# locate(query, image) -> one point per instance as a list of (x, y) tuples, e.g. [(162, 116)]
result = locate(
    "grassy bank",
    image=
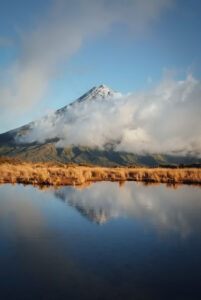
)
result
[(61, 174)]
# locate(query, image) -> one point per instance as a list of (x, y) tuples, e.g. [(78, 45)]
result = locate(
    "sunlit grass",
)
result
[(64, 174)]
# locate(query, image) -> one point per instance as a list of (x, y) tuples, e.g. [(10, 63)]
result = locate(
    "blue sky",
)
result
[(51, 52)]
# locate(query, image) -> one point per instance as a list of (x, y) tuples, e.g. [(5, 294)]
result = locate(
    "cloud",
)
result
[(56, 37), (163, 120)]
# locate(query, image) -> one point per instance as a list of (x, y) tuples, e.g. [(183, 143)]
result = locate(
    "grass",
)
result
[(70, 174)]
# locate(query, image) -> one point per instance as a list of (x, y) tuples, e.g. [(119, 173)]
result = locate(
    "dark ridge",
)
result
[(6, 138)]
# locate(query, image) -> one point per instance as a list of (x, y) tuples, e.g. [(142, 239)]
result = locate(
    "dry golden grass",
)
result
[(60, 174)]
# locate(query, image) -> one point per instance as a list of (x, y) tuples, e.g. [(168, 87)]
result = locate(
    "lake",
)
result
[(104, 241)]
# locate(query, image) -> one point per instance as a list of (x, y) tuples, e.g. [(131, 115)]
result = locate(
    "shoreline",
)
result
[(54, 174)]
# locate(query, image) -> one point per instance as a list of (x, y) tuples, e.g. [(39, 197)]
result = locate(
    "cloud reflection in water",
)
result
[(164, 208)]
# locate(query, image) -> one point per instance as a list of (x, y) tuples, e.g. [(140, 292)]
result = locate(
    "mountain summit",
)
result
[(97, 93), (101, 92)]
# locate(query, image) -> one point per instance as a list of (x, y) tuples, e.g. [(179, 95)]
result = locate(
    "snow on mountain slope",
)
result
[(103, 92)]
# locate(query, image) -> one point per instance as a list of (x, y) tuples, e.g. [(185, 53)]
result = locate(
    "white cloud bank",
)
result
[(164, 120), (52, 41)]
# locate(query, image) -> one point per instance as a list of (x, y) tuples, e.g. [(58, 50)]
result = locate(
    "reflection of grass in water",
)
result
[(61, 174)]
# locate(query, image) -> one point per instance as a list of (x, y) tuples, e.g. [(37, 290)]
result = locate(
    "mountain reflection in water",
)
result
[(166, 209)]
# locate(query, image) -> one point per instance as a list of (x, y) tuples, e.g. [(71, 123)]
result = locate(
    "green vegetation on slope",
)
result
[(48, 152)]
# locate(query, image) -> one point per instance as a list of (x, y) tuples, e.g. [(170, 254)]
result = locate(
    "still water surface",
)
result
[(102, 242)]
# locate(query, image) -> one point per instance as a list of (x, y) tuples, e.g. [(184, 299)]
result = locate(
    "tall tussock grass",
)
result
[(61, 174)]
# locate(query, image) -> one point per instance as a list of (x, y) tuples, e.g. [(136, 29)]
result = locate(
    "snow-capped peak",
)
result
[(101, 92)]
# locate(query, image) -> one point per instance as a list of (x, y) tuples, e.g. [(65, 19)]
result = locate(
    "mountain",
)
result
[(32, 142), (103, 92), (96, 206)]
